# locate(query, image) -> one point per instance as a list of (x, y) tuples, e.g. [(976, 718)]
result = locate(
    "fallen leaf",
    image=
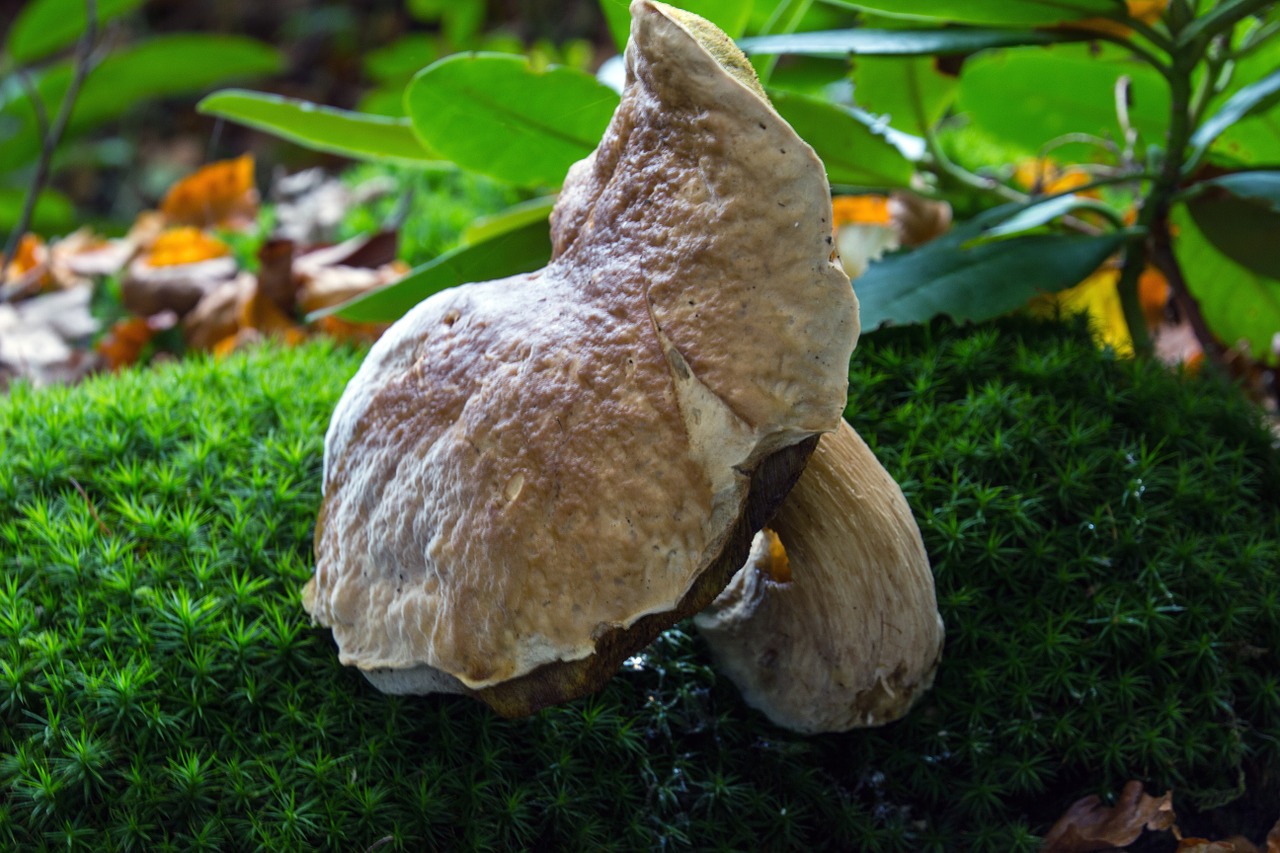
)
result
[(1089, 826), (1235, 844), (918, 219), (276, 279), (1153, 293), (1273, 839), (1045, 176), (310, 205), (147, 290), (259, 312), (40, 338), (217, 315), (869, 209), (125, 342), (28, 271), (184, 245), (219, 194)]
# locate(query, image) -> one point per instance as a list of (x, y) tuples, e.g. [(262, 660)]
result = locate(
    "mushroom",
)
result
[(832, 624), (527, 480)]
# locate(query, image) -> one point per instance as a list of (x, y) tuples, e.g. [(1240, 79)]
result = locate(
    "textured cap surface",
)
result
[(854, 638), (522, 466)]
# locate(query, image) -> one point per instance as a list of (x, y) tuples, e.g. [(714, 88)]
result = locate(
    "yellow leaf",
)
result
[(1047, 176), (860, 210), (186, 245), (1098, 297)]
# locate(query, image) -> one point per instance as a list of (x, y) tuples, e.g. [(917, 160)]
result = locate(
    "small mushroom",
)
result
[(832, 624), (527, 480)]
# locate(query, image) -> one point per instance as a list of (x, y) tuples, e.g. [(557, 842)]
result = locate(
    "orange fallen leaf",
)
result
[(1089, 826), (125, 342), (860, 210), (345, 330), (1153, 293), (220, 193), (184, 245), (28, 270), (1047, 176)]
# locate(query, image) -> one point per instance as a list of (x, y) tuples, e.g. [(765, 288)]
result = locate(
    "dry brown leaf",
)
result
[(219, 194), (918, 219), (1235, 844), (276, 278), (28, 271), (217, 316), (124, 344), (1090, 826), (147, 290), (1273, 839)]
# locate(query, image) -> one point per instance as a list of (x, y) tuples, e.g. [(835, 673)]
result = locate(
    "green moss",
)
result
[(1106, 539)]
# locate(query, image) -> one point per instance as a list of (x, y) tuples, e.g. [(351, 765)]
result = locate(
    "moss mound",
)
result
[(1106, 538)]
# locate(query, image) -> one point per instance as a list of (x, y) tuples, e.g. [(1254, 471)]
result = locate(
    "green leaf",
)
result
[(44, 27), (1245, 229), (1222, 16), (521, 250), (162, 66), (1260, 186), (54, 213), (320, 128), (852, 151), (910, 92), (1030, 217), (403, 58), (1238, 303), (729, 15), (1031, 96), (1257, 97), (862, 42), (514, 217), (1256, 139), (991, 12), (947, 277), (497, 115)]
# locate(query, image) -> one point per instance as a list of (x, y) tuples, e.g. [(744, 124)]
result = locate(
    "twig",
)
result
[(50, 140)]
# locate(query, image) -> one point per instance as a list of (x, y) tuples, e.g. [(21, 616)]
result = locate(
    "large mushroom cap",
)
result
[(527, 479)]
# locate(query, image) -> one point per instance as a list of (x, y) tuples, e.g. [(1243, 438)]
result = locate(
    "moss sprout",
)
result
[(1105, 534)]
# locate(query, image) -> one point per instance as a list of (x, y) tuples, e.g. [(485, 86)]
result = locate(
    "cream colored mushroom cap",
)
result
[(524, 467), (854, 638)]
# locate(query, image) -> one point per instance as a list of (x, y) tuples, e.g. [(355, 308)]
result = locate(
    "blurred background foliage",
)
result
[(1121, 155)]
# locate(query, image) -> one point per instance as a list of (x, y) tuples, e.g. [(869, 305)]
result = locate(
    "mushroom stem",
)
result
[(854, 638)]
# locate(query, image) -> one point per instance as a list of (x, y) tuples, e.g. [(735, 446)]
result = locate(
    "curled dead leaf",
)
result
[(147, 289), (217, 315), (126, 341), (918, 219), (28, 271), (1089, 826)]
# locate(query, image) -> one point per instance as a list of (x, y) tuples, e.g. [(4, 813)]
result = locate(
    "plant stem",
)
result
[(1163, 256), (49, 142)]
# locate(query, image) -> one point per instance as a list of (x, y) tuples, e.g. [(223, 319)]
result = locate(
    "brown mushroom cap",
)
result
[(853, 638), (528, 479)]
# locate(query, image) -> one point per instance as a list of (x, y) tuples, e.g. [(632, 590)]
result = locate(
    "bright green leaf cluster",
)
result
[(1105, 535)]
